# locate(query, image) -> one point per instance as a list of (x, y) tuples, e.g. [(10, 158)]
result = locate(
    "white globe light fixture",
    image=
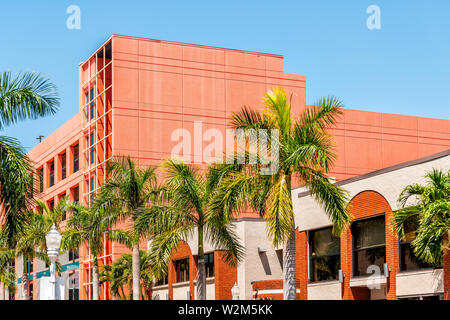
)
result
[(235, 291), (53, 241)]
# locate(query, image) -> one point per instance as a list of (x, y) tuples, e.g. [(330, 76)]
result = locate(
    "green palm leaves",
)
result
[(26, 96), (189, 193), (119, 275), (426, 212), (305, 154)]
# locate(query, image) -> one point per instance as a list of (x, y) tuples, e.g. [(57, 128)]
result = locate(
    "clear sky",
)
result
[(404, 67)]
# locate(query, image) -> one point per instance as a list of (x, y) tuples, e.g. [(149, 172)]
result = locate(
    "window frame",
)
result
[(311, 258), (178, 264), (354, 261)]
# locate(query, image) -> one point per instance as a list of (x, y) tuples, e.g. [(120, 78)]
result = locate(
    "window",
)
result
[(408, 260), (86, 101), (76, 155), (209, 264), (369, 245), (73, 255), (76, 194), (92, 149), (51, 205), (88, 285), (92, 105), (51, 175), (162, 282), (31, 290), (41, 179), (182, 270), (324, 255), (30, 266), (63, 166), (73, 285)]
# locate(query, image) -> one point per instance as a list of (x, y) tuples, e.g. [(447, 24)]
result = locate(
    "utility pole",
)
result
[(40, 138)]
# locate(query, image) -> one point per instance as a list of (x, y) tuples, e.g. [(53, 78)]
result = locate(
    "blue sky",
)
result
[(402, 68)]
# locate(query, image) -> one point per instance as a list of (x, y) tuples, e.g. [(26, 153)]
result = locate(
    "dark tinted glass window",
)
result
[(324, 255), (369, 248)]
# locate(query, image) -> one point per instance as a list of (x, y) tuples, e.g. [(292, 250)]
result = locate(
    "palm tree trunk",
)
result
[(25, 282), (2, 291), (136, 272), (289, 263), (289, 266), (201, 273), (95, 278)]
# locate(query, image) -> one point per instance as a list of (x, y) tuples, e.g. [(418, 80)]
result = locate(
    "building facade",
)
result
[(136, 94)]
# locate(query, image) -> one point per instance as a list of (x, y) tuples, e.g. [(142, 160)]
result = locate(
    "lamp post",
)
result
[(53, 240), (235, 291)]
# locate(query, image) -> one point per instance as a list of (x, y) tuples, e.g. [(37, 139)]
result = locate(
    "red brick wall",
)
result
[(271, 285), (364, 205), (225, 277), (301, 257)]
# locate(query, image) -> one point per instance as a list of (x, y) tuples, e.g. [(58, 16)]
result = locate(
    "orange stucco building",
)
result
[(135, 92)]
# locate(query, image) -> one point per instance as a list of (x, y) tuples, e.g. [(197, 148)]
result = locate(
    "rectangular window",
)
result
[(31, 290), (51, 174), (73, 285), (41, 179), (92, 150), (92, 105), (86, 101), (408, 260), (73, 255), (369, 245), (63, 166), (162, 282), (324, 255), (30, 266), (209, 264), (76, 156), (182, 270)]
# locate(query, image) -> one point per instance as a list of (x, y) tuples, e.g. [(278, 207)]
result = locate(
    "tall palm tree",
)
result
[(129, 192), (120, 276), (305, 153), (426, 212), (32, 243), (26, 96), (189, 192), (85, 227)]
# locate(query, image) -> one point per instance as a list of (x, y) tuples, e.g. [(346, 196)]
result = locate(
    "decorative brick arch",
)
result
[(368, 204), (183, 251)]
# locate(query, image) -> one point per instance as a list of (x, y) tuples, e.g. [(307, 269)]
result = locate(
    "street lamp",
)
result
[(53, 240), (235, 291)]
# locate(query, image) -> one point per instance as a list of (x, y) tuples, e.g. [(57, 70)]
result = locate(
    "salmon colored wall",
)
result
[(367, 141), (163, 86)]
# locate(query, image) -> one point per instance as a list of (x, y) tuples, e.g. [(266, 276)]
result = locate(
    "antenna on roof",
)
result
[(40, 138)]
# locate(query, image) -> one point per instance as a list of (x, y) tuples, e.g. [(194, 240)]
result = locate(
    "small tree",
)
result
[(427, 215)]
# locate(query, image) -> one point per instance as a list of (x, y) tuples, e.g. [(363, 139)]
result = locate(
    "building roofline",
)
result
[(179, 43), (197, 45), (386, 170)]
